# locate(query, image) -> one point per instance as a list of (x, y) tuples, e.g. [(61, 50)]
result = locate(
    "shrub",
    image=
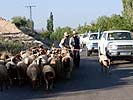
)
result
[(12, 47)]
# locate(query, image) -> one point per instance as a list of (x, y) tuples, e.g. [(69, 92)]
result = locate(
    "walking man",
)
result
[(75, 46), (64, 43)]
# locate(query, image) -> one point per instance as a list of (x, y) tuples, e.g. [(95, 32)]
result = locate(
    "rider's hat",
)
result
[(66, 34), (74, 32)]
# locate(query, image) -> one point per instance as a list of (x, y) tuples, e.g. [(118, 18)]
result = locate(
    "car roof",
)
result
[(116, 31), (94, 33)]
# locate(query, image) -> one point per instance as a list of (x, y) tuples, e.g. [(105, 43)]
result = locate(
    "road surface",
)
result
[(87, 83)]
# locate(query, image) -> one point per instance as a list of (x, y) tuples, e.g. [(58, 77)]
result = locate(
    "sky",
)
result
[(66, 12)]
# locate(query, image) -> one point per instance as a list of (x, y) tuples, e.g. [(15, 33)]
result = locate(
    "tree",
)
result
[(92, 27), (103, 23), (83, 29), (30, 24), (59, 32), (118, 22), (128, 11), (114, 22), (22, 22), (19, 21), (50, 25)]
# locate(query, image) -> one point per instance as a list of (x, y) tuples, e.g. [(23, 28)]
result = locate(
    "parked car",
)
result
[(116, 45), (83, 39), (92, 43)]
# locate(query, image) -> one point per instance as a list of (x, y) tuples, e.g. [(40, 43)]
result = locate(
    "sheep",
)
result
[(3, 77), (4, 56), (12, 70), (33, 72), (24, 54), (105, 63), (40, 62), (59, 66), (67, 63), (2, 62), (22, 67), (48, 75), (42, 51), (28, 60), (44, 57), (55, 63)]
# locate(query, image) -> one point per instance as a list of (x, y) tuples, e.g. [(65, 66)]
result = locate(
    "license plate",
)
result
[(125, 53)]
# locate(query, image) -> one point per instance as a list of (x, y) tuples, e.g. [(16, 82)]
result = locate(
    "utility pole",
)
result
[(31, 6)]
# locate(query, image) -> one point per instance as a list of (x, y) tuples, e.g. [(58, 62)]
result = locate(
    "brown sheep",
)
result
[(48, 75), (56, 65), (22, 67), (33, 72), (4, 56), (67, 63), (28, 60)]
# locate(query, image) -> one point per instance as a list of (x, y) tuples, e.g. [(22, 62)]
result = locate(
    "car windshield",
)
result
[(93, 37), (119, 36)]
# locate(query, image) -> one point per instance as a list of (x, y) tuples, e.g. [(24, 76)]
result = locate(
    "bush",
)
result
[(12, 47)]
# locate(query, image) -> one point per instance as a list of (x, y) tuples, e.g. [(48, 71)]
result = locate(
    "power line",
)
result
[(30, 6)]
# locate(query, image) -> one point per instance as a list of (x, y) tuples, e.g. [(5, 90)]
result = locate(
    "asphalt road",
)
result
[(87, 83)]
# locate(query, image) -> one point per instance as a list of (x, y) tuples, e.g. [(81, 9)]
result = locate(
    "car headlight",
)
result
[(111, 46)]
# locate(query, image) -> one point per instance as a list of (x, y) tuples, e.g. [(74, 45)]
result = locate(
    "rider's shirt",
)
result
[(64, 42), (75, 42)]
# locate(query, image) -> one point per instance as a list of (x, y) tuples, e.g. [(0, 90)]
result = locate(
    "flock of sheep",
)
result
[(37, 66)]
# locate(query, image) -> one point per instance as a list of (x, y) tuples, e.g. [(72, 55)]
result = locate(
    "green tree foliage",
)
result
[(50, 24), (58, 34), (82, 29), (103, 23), (92, 27), (13, 47), (22, 22), (45, 34), (25, 25), (114, 22), (29, 24), (118, 22), (19, 21), (128, 11)]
